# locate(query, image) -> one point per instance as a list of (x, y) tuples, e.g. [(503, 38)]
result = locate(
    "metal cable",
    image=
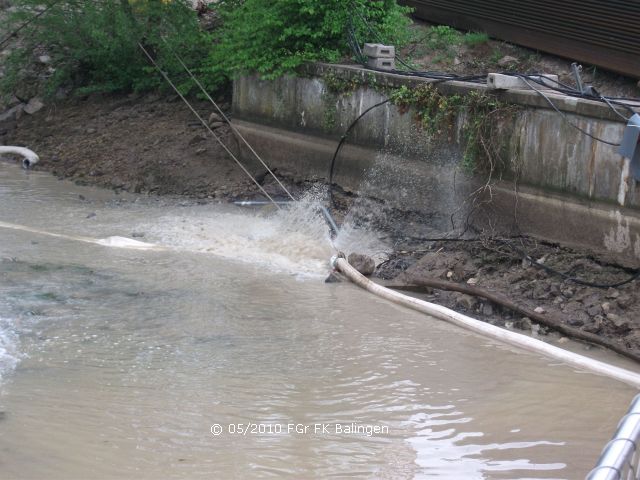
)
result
[(564, 116), (522, 254), (226, 119), (165, 76), (566, 89), (25, 24), (615, 110)]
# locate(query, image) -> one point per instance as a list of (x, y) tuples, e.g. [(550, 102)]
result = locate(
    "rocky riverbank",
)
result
[(497, 266), (154, 145)]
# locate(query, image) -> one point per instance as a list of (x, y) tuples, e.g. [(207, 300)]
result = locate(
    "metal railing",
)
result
[(620, 459)]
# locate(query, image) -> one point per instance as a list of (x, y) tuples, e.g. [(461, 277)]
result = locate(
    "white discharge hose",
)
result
[(485, 329), (115, 242), (29, 157)]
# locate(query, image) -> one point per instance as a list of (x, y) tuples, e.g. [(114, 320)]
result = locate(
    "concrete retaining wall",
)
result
[(571, 188)]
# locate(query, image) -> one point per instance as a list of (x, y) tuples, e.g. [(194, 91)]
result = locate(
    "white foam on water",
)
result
[(352, 239), (294, 239), (124, 242), (9, 348)]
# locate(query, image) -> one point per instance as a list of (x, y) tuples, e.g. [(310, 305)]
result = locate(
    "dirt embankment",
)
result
[(142, 144), (150, 144)]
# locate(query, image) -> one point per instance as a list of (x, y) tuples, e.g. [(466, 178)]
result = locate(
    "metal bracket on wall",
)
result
[(630, 145), (584, 90)]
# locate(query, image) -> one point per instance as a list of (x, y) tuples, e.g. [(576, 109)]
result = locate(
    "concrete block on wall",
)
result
[(377, 50), (382, 63)]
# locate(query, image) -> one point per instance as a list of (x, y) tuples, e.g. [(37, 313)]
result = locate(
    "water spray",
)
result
[(333, 226), (259, 203)]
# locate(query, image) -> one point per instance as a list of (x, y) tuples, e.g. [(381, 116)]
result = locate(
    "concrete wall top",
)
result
[(528, 98)]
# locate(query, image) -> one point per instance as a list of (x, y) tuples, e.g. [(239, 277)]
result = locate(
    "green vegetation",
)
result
[(441, 44), (94, 45), (443, 37), (473, 39), (483, 114), (338, 84), (272, 38), (485, 117)]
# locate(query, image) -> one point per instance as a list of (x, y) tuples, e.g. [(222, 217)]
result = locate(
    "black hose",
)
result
[(566, 276), (341, 143)]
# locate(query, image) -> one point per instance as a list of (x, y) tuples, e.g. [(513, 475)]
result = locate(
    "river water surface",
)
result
[(119, 363)]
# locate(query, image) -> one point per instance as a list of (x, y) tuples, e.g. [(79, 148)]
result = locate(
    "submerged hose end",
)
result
[(29, 157), (27, 163)]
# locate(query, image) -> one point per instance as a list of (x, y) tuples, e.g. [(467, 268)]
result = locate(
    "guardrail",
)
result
[(620, 459)]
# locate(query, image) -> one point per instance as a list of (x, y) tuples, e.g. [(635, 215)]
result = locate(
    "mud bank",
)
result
[(141, 144), (153, 145)]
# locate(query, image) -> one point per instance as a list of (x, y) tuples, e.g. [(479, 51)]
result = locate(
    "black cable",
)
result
[(566, 276), (520, 252), (28, 22), (564, 116), (377, 36), (570, 91), (566, 89), (341, 143), (354, 44)]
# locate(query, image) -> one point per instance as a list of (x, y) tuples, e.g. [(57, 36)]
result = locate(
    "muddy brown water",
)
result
[(119, 363)]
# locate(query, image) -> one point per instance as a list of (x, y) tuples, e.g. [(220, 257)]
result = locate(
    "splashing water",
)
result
[(9, 348), (294, 239)]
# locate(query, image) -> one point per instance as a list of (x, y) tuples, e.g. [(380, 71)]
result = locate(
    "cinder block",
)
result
[(377, 50), (382, 63), (506, 82)]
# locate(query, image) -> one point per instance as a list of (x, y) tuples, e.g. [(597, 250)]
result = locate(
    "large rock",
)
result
[(34, 105), (363, 263), (507, 60), (466, 302), (214, 118), (457, 267), (335, 277)]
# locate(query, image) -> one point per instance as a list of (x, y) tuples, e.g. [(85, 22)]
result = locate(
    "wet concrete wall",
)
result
[(570, 188)]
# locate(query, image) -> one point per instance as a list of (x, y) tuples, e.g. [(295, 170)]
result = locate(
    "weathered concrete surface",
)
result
[(296, 122), (433, 187), (614, 233)]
